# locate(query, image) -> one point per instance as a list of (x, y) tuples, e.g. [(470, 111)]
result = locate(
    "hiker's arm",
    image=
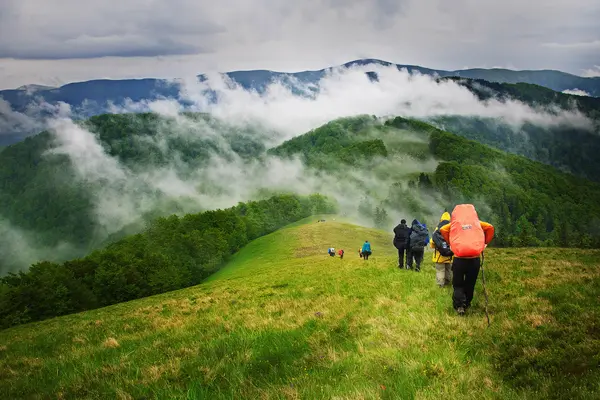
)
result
[(488, 230), (445, 231)]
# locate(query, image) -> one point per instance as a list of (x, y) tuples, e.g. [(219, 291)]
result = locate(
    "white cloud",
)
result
[(577, 92), (349, 92), (592, 72), (18, 249), (282, 115)]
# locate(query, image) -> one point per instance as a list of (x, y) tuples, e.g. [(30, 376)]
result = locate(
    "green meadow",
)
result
[(283, 320)]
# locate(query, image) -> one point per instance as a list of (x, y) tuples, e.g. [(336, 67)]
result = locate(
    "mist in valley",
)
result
[(124, 194)]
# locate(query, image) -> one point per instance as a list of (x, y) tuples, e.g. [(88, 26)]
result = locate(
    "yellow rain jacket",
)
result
[(437, 257)]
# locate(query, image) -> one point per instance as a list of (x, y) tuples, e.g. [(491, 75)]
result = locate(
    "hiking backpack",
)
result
[(466, 235), (419, 237), (400, 236), (441, 245)]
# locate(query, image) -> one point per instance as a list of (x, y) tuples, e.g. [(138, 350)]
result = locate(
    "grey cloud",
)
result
[(12, 122), (592, 72), (284, 35), (591, 45), (34, 29), (93, 47)]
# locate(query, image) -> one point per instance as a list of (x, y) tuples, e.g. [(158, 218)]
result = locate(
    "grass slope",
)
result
[(284, 320)]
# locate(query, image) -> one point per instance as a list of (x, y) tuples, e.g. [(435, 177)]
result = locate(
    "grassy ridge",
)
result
[(284, 320)]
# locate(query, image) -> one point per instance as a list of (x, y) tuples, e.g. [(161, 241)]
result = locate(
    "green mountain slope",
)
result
[(567, 147), (171, 253), (42, 193), (285, 320), (531, 203)]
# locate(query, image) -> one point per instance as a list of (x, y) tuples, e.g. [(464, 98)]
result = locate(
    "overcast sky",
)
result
[(59, 41)]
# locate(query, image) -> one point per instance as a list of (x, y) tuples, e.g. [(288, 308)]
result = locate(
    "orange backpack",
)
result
[(466, 235)]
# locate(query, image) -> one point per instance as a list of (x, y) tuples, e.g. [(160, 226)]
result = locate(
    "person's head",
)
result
[(445, 216), (403, 221)]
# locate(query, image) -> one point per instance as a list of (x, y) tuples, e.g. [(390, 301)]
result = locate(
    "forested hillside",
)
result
[(171, 253), (530, 203), (42, 194), (564, 146)]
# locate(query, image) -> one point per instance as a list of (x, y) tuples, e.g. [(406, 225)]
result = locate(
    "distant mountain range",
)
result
[(92, 97)]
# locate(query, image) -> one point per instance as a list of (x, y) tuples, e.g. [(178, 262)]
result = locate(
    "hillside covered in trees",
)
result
[(43, 194), (171, 253), (531, 204), (569, 147)]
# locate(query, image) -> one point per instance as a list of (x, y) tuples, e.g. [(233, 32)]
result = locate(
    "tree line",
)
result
[(172, 253)]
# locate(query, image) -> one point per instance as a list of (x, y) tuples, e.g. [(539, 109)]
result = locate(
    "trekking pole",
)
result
[(484, 291)]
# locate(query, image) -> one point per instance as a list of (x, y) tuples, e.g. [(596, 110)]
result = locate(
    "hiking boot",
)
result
[(460, 310), (417, 269)]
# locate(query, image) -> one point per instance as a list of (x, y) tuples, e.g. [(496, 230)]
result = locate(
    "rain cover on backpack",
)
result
[(419, 237), (466, 235)]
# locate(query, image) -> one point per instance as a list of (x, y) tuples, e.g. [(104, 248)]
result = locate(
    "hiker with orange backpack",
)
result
[(467, 237)]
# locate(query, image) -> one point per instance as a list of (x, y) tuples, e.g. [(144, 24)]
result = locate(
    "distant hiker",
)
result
[(442, 255), (331, 251), (468, 237), (418, 238), (401, 233), (366, 250), (341, 253)]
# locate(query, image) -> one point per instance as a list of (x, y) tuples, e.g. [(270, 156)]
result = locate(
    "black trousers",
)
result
[(416, 255), (464, 277), (401, 251)]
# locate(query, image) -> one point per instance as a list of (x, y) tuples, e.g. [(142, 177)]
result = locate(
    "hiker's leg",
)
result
[(440, 274), (459, 298), (448, 273), (471, 274), (401, 257), (419, 259), (409, 258)]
